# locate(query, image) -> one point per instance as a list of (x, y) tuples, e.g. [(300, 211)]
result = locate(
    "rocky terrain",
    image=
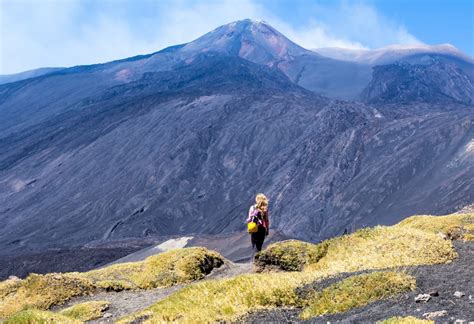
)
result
[(178, 142)]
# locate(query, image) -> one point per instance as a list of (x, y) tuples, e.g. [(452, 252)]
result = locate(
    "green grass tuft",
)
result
[(35, 316), (226, 299), (86, 311), (357, 291)]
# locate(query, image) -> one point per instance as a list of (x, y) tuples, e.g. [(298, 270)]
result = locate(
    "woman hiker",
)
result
[(257, 222)]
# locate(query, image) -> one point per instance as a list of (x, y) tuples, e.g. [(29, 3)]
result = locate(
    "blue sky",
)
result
[(39, 33)]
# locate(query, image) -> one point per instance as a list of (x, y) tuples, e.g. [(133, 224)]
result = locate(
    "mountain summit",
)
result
[(249, 39)]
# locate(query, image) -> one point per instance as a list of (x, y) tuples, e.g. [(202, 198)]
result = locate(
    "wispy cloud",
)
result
[(71, 32)]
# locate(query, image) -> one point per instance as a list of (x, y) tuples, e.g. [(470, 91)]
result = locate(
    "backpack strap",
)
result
[(253, 216)]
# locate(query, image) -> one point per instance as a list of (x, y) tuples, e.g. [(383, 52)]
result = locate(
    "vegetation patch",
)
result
[(291, 255), (227, 299), (162, 270), (454, 227), (36, 316), (415, 241), (384, 247), (357, 291), (166, 269), (374, 248), (405, 320), (41, 291), (86, 311)]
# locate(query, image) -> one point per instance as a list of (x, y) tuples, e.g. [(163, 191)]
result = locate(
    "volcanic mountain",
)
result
[(178, 142)]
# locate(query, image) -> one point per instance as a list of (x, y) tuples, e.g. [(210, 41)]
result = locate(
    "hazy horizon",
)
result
[(66, 33)]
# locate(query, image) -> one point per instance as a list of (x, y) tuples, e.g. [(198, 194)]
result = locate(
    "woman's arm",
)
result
[(267, 223)]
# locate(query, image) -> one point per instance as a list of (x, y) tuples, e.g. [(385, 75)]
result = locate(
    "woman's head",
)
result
[(262, 202)]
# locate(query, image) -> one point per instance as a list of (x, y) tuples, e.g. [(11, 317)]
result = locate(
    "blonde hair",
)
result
[(262, 202)]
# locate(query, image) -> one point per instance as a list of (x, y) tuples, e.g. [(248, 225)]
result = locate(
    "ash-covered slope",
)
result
[(179, 141), (7, 78), (434, 82)]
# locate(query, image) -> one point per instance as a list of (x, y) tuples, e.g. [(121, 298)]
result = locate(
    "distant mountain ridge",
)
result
[(177, 142), (8, 78), (435, 82), (390, 54)]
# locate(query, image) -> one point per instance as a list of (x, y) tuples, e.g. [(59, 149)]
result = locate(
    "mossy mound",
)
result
[(41, 291), (357, 291), (384, 247), (35, 316), (162, 270), (86, 311), (291, 255), (453, 227), (405, 320)]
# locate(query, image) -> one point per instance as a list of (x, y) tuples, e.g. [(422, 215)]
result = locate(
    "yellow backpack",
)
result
[(252, 227)]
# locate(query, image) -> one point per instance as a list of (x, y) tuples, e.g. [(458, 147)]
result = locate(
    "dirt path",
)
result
[(446, 279), (126, 302)]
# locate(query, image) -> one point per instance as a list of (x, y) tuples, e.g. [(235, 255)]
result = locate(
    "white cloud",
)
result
[(38, 33)]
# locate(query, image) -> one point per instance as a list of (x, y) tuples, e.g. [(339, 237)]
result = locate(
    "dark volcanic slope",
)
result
[(7, 78), (435, 82), (184, 151), (178, 142)]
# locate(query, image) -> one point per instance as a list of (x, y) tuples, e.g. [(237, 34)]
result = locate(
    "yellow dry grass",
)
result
[(86, 311), (227, 299), (166, 269), (384, 247), (455, 226), (357, 291), (162, 270), (41, 291), (290, 255)]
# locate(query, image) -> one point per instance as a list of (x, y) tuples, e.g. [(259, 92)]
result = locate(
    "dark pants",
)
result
[(258, 238)]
